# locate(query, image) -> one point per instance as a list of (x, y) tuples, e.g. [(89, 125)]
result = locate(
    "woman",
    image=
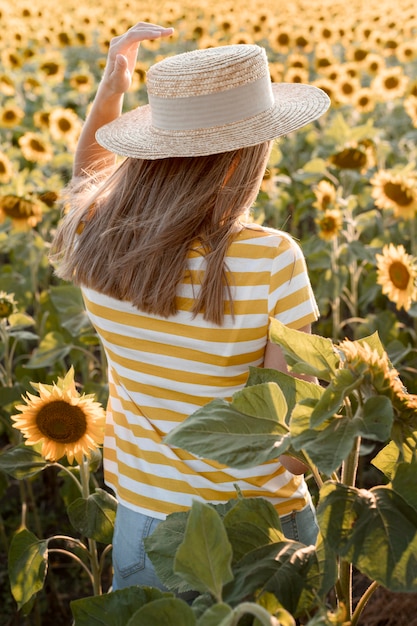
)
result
[(179, 286)]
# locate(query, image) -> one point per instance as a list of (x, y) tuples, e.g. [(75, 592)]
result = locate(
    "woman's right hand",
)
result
[(122, 56)]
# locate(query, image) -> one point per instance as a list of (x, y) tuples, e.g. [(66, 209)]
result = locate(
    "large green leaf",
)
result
[(328, 445), (313, 354), (52, 348), (94, 516), (162, 546), (204, 557), (288, 569), (22, 462), (215, 615), (28, 564), (163, 612), (223, 432), (341, 385), (330, 442), (68, 301), (404, 482), (113, 609), (250, 524), (294, 389), (376, 530)]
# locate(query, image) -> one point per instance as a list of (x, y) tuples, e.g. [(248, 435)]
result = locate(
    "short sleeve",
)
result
[(291, 298)]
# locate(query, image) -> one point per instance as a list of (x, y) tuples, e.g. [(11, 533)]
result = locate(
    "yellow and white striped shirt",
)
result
[(162, 370)]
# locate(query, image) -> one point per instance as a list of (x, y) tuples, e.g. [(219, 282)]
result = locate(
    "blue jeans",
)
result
[(132, 566)]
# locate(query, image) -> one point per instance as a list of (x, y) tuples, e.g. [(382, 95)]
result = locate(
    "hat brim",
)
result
[(132, 134)]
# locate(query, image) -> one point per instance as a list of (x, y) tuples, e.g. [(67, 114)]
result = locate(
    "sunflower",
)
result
[(406, 51), (11, 115), (7, 305), (390, 83), (296, 75), (41, 119), (378, 374), (345, 89), (61, 420), (330, 223), (397, 274), (7, 86), (350, 158), (24, 213), (364, 100), (374, 63), (82, 82), (64, 124), (6, 168), (35, 148), (325, 193), (397, 191)]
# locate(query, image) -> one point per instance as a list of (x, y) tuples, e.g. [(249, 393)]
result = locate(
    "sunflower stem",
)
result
[(92, 545), (74, 478)]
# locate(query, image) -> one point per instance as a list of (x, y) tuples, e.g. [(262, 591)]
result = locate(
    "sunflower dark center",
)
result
[(399, 275), (61, 422), (398, 193)]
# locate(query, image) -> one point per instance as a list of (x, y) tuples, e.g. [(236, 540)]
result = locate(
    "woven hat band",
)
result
[(212, 109)]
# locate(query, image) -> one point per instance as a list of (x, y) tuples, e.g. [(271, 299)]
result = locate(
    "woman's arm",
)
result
[(108, 102), (274, 359)]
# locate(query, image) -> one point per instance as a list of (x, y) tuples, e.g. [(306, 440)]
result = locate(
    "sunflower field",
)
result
[(345, 187)]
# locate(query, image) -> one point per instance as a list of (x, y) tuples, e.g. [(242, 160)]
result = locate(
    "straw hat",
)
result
[(210, 101)]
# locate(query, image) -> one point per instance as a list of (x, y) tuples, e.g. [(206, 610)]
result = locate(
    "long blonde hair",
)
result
[(130, 238)]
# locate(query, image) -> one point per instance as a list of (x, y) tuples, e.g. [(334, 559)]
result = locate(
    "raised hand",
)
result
[(123, 52)]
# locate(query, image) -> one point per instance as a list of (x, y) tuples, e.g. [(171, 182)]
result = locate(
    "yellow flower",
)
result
[(6, 168), (397, 274), (35, 148), (375, 368), (330, 223), (350, 158), (11, 115), (64, 124), (7, 86), (24, 213), (325, 194), (364, 100), (397, 191), (61, 420), (7, 304), (390, 83)]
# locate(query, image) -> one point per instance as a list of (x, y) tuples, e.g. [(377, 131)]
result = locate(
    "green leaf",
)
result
[(52, 348), (361, 525), (288, 569), (68, 301), (294, 389), (204, 557), (164, 612), (162, 546), (316, 354), (250, 524), (22, 462), (221, 432), (329, 445), (341, 385), (113, 609), (265, 400), (215, 615), (94, 516), (377, 418), (404, 482), (28, 564), (386, 460)]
